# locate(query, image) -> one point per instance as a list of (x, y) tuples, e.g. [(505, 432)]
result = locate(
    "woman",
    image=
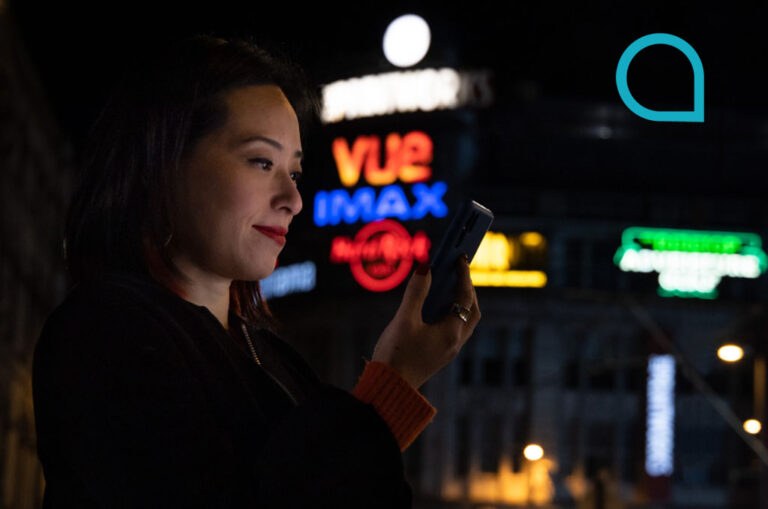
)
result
[(161, 380)]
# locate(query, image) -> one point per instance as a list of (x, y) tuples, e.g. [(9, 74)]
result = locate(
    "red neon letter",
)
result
[(342, 250)]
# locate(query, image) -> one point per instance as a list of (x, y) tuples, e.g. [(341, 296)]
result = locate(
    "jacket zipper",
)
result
[(256, 358)]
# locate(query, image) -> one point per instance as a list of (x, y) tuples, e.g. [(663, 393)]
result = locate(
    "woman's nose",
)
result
[(288, 195)]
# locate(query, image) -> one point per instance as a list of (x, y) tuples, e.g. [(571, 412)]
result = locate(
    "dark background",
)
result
[(554, 64)]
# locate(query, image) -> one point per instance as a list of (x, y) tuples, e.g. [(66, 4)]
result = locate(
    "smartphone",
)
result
[(463, 236)]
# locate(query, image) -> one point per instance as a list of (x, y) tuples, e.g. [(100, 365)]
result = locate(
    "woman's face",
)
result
[(241, 176)]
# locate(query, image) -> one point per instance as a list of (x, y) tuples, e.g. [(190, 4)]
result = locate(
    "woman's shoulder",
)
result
[(91, 300), (92, 311)]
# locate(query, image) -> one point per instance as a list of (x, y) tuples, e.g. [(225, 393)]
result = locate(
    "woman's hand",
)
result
[(418, 350)]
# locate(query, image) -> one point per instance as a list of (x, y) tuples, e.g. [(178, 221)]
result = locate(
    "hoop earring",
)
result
[(167, 241)]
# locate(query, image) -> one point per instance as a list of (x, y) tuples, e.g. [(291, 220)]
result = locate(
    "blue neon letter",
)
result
[(392, 202), (429, 200)]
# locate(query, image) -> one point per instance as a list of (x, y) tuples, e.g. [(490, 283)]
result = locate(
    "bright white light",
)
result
[(660, 424), (733, 265), (730, 353), (404, 91), (533, 452), (406, 40), (299, 277), (752, 426)]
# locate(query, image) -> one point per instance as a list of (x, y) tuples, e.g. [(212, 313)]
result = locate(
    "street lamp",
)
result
[(752, 426), (730, 353), (533, 452)]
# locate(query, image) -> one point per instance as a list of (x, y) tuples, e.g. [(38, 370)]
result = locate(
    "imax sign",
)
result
[(334, 207)]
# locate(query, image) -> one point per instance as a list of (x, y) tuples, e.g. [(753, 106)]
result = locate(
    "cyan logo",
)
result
[(697, 115)]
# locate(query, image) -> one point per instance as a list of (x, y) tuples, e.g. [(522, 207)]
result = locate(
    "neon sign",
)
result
[(333, 207), (691, 263), (298, 277), (660, 415), (407, 158), (381, 254), (404, 91), (498, 252)]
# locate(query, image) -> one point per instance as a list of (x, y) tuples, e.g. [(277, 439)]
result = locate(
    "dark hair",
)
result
[(119, 217)]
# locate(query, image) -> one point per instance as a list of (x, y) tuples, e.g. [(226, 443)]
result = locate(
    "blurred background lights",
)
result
[(730, 353), (533, 452), (532, 239), (406, 40), (660, 416), (295, 278), (752, 426)]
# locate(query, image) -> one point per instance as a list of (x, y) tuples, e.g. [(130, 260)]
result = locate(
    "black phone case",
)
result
[(467, 229)]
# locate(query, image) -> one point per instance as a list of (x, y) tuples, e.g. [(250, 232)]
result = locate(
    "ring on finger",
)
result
[(460, 311)]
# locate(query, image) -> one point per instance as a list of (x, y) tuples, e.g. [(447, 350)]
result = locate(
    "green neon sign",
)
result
[(690, 263)]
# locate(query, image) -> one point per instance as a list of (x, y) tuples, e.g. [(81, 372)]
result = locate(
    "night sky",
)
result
[(553, 62)]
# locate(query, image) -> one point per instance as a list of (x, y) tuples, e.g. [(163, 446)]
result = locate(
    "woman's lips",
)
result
[(280, 239)]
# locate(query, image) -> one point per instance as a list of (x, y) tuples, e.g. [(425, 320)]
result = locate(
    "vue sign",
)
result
[(405, 157)]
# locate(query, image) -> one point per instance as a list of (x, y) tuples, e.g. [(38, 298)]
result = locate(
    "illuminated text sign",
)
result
[(334, 207), (405, 157), (404, 91), (691, 263), (381, 254), (499, 253)]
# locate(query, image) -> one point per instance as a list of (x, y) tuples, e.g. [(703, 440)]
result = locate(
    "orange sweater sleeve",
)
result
[(401, 406)]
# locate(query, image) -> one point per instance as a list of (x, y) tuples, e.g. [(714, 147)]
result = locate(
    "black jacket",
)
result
[(143, 399)]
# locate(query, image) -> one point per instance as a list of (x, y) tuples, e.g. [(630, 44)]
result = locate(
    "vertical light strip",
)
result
[(660, 424)]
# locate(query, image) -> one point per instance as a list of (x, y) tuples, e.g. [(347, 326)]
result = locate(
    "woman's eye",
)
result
[(265, 163), (297, 176)]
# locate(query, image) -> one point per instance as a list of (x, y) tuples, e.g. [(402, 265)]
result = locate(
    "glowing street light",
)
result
[(533, 452), (730, 353), (406, 40), (752, 426)]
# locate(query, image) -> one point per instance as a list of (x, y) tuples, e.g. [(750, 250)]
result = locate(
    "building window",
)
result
[(462, 445), (634, 443), (492, 372), (520, 374), (489, 347), (490, 445), (599, 450), (519, 349), (602, 377), (519, 441), (465, 370)]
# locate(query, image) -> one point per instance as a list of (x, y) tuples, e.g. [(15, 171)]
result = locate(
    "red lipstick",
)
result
[(275, 233)]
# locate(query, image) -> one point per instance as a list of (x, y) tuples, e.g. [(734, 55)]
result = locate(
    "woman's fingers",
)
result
[(475, 316), (465, 293), (469, 289), (416, 291)]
